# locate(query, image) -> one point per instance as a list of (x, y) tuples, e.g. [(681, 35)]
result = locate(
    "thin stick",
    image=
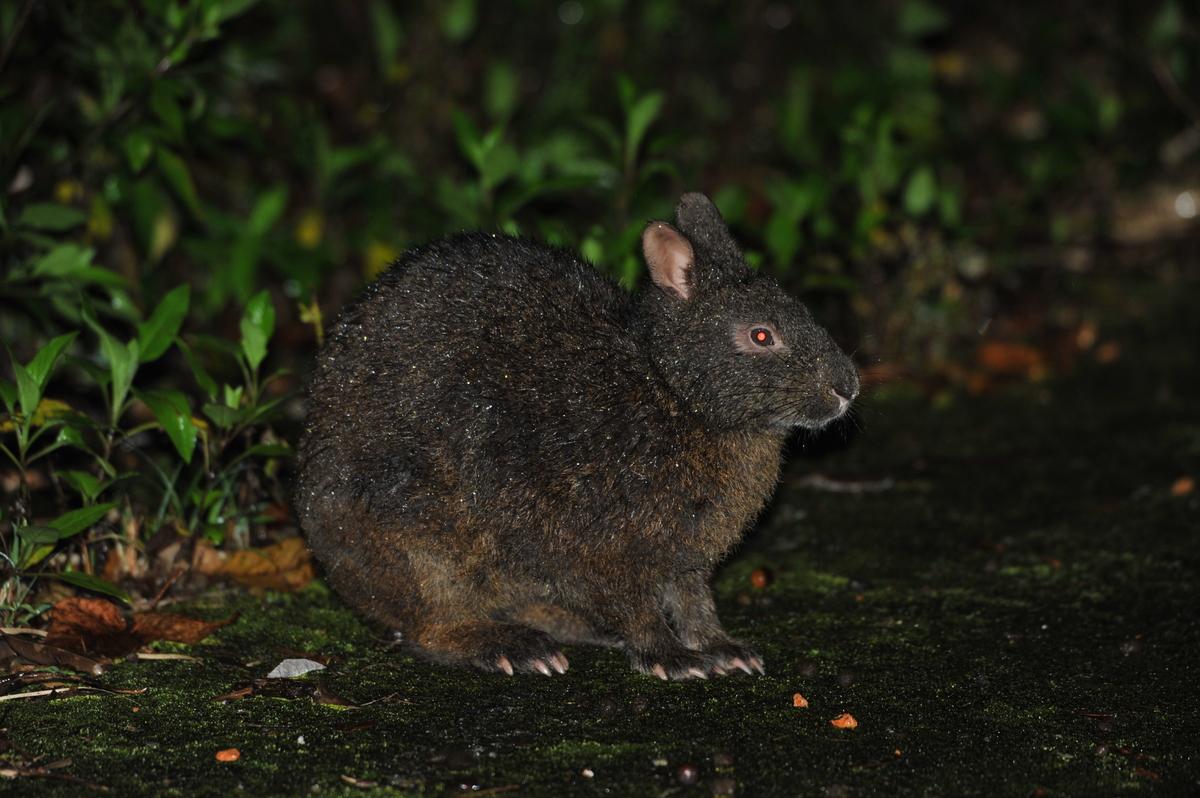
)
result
[(22, 630)]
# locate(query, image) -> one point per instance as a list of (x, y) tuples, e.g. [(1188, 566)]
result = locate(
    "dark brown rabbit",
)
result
[(506, 452)]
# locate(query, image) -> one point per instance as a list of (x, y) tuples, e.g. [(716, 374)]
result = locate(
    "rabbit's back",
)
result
[(491, 368)]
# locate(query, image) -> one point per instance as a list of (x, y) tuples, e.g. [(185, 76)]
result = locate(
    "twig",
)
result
[(178, 572), (166, 656), (22, 630), (16, 31)]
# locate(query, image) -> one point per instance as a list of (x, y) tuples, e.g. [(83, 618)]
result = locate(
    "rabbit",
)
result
[(506, 452)]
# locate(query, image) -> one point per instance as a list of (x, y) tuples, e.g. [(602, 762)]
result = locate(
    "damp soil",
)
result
[(1000, 589)]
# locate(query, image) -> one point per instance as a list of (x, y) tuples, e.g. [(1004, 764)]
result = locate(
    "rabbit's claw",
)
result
[(733, 656), (676, 665), (515, 649)]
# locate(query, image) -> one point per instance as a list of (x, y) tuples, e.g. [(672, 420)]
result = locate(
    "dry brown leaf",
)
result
[(844, 721), (799, 701), (90, 625), (1183, 486), (44, 654), (286, 565), (177, 628), (229, 755)]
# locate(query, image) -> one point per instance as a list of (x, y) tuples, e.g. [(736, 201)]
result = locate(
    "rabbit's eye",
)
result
[(762, 336)]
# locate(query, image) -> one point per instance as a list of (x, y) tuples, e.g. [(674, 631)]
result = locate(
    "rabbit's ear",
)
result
[(670, 258), (701, 222)]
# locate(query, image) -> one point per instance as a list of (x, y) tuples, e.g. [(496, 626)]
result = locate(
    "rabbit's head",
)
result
[(732, 345)]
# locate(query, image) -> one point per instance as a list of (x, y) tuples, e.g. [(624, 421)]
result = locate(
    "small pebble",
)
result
[(587, 773), (687, 773)]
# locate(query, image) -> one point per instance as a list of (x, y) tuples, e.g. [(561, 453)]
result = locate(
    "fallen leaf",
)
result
[(844, 721), (1011, 359), (286, 565), (760, 578), (177, 628), (799, 701), (98, 626), (40, 653), (90, 625), (1183, 486), (229, 755)]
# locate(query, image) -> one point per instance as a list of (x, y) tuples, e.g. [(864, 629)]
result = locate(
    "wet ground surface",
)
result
[(1004, 599)]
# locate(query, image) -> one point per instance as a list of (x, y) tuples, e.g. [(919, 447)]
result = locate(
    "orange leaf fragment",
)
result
[(229, 755), (1183, 486), (799, 701), (844, 721), (760, 578)]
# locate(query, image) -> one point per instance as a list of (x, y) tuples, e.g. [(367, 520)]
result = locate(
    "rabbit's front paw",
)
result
[(731, 656), (675, 663)]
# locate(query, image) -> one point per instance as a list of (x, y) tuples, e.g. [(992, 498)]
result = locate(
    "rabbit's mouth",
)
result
[(815, 419)]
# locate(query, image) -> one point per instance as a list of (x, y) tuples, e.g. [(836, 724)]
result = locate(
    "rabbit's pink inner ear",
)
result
[(669, 256)]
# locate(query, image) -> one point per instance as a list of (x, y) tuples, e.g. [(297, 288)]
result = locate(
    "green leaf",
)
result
[(94, 583), (42, 365), (138, 148), (175, 171), (51, 216), (469, 140), (501, 88), (920, 18), (1166, 27), (458, 19), (388, 34), (642, 114), (8, 393), (222, 415), (174, 414), (28, 392), (37, 535), (258, 323), (73, 522), (63, 261), (203, 379), (921, 191), (164, 106), (267, 210), (122, 362), (84, 483), (157, 332)]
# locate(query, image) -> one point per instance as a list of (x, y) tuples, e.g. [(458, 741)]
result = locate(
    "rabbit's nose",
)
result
[(843, 402)]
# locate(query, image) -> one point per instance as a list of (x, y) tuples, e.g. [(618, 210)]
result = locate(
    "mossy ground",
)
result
[(1015, 616)]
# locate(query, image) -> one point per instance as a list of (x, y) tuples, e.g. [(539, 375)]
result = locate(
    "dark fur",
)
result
[(506, 451)]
